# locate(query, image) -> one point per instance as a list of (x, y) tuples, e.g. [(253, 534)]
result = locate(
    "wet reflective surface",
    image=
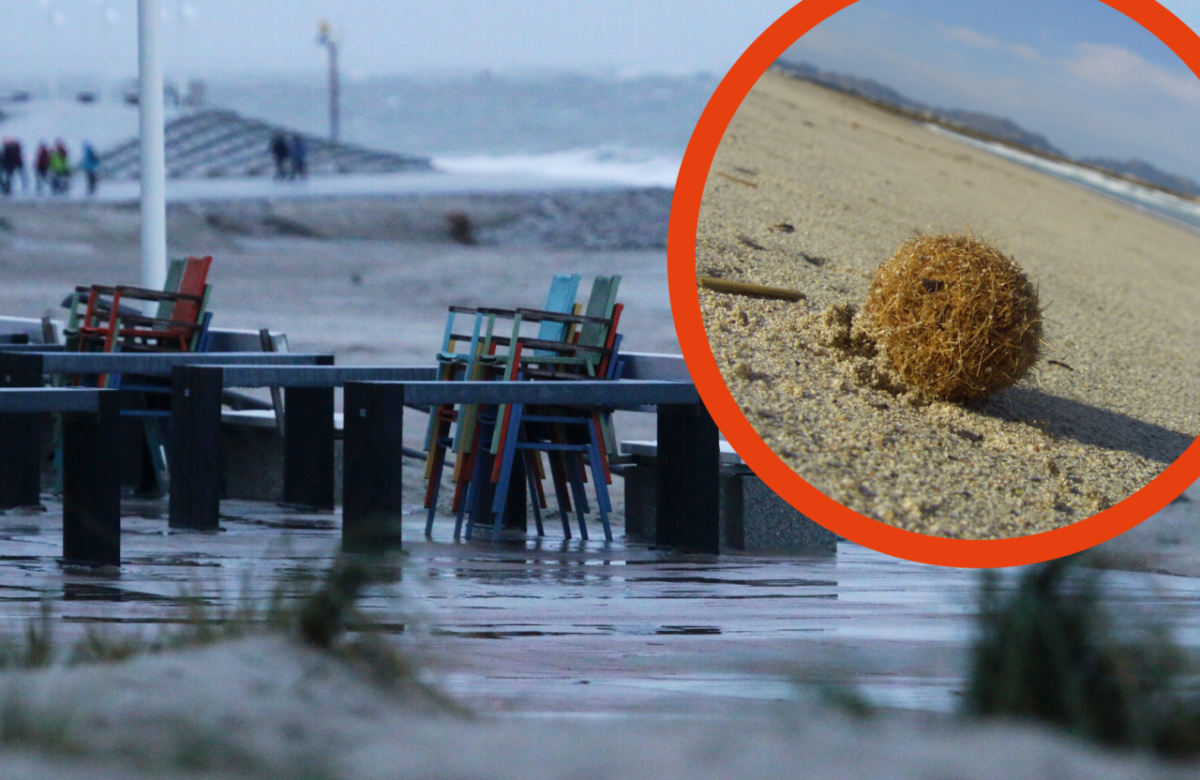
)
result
[(528, 626)]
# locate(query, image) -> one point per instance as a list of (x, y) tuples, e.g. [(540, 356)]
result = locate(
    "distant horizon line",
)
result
[(351, 75)]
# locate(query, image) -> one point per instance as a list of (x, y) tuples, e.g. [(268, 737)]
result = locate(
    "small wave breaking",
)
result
[(1172, 208), (603, 165)]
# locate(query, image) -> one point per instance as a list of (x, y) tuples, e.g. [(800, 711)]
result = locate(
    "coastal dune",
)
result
[(811, 189)]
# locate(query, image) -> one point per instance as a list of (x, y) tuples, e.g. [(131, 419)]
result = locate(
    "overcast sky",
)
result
[(209, 37), (1084, 75), (391, 36)]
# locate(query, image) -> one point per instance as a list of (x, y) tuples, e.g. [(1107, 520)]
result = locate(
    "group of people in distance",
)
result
[(291, 156), (51, 167)]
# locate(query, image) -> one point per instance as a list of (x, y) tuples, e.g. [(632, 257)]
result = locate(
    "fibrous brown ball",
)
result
[(957, 318)]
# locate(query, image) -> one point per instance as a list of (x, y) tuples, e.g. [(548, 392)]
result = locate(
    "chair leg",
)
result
[(599, 482), (460, 505), (539, 477), (439, 427), (581, 478), (158, 452), (462, 490), (481, 469), (467, 507), (536, 497), (502, 471), (436, 462), (559, 478), (575, 478)]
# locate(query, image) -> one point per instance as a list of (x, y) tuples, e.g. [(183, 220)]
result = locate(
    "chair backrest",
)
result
[(600, 304), (193, 282), (174, 277), (561, 300)]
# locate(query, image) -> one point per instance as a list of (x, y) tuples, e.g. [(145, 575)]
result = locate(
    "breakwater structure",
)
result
[(219, 143)]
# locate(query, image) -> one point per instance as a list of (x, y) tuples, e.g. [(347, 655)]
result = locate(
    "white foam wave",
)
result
[(1156, 201), (594, 166)]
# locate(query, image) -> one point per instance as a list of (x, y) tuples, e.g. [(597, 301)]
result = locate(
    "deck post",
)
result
[(689, 459), (21, 435), (308, 444), (92, 484), (373, 460), (195, 447)]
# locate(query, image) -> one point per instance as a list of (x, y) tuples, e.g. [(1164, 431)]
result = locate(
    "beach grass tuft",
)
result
[(1050, 651), (318, 614)]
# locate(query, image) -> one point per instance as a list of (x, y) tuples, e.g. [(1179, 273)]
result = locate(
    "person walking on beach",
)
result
[(279, 149), (19, 164), (89, 164), (41, 166), (8, 167), (60, 169), (299, 152)]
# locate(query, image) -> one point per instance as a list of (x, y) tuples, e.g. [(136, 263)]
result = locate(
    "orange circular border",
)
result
[(685, 304)]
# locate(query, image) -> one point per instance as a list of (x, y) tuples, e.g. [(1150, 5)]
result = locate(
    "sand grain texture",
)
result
[(838, 185)]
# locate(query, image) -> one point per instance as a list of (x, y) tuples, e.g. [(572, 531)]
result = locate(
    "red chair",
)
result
[(105, 325)]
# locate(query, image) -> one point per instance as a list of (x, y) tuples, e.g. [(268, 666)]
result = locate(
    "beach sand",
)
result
[(367, 279), (812, 189), (265, 707)]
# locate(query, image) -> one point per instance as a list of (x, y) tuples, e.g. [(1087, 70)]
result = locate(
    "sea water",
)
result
[(1184, 212), (605, 129), (621, 129)]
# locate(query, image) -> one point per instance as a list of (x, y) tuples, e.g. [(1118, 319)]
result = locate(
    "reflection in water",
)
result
[(513, 626)]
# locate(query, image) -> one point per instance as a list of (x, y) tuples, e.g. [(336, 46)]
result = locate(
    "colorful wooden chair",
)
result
[(475, 362)]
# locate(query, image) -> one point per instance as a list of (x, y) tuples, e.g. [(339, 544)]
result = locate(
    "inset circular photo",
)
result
[(936, 270)]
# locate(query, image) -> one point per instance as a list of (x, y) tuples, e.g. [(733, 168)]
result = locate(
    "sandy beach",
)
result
[(682, 677), (365, 278), (811, 190)]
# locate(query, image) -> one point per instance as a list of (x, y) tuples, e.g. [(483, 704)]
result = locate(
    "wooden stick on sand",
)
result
[(743, 288)]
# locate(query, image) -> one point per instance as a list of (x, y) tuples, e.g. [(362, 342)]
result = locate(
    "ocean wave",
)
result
[(1161, 204), (603, 165)]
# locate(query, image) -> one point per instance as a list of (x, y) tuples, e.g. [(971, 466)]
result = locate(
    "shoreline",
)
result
[(930, 118)]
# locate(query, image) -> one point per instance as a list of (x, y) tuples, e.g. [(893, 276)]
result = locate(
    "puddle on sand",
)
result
[(87, 591)]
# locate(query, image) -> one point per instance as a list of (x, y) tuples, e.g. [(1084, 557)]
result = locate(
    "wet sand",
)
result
[(575, 659), (812, 189)]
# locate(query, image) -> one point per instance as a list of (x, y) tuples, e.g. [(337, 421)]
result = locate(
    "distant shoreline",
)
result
[(929, 117)]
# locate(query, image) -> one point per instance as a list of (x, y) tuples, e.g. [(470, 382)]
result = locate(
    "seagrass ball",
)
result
[(957, 319)]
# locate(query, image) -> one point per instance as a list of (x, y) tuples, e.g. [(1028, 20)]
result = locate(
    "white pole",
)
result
[(150, 110)]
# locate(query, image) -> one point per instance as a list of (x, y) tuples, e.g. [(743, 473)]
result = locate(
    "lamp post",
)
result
[(325, 38), (54, 20), (153, 155)]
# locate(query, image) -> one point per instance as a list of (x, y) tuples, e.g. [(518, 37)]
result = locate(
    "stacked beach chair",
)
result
[(498, 449)]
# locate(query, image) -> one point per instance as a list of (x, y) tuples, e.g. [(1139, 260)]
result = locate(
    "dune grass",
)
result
[(1051, 650)]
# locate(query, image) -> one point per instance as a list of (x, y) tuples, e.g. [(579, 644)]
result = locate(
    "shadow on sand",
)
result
[(1087, 424)]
